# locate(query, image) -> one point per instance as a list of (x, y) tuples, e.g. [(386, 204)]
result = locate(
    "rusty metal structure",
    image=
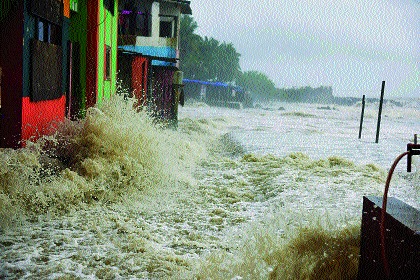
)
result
[(390, 233)]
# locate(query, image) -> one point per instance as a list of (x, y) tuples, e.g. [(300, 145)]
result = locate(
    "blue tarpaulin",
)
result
[(216, 84)]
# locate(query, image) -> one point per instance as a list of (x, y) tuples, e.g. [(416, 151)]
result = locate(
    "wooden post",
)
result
[(361, 117), (378, 127)]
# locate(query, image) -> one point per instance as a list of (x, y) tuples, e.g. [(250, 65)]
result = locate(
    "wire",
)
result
[(383, 212)]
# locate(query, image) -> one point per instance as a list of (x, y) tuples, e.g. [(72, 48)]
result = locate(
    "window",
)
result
[(46, 73), (48, 32), (107, 63), (167, 27), (41, 30), (74, 5)]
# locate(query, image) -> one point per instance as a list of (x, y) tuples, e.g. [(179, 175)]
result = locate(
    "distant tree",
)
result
[(227, 62), (260, 86), (320, 94), (206, 58), (189, 46)]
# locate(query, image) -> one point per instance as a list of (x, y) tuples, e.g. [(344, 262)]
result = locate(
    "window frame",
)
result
[(51, 33), (172, 20), (107, 64)]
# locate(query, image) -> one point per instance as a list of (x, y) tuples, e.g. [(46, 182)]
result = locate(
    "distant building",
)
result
[(57, 57), (148, 45), (216, 93)]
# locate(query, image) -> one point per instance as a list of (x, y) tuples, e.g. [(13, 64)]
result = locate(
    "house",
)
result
[(148, 58), (57, 57)]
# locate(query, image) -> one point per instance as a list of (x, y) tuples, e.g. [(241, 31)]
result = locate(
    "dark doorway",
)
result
[(74, 91)]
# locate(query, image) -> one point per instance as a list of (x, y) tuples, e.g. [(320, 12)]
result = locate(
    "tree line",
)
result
[(207, 59)]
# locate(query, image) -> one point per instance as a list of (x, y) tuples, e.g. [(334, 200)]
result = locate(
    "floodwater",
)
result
[(268, 193)]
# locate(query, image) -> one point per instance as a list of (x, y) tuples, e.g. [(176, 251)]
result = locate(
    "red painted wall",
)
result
[(21, 119), (139, 79), (41, 118), (92, 54)]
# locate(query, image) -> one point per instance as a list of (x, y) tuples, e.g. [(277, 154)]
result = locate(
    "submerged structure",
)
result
[(390, 232), (57, 57)]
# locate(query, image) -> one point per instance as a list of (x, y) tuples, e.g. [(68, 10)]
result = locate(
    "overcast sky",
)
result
[(352, 45)]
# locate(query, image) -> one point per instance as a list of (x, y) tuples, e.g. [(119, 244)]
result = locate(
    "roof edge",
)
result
[(185, 5)]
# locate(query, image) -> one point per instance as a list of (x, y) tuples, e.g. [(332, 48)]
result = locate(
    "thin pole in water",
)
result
[(361, 117), (380, 111)]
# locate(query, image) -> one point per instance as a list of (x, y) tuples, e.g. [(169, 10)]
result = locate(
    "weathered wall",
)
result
[(11, 62)]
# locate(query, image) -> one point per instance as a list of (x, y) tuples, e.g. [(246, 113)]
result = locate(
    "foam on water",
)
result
[(288, 203), (112, 153), (116, 197)]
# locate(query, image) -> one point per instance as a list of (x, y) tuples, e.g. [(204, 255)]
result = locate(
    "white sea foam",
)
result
[(233, 194)]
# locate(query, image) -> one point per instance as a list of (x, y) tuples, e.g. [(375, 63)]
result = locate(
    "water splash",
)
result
[(115, 152), (116, 196)]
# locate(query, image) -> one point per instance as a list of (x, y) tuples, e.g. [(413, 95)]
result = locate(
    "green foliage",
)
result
[(189, 46), (206, 58), (306, 94), (210, 60), (258, 84)]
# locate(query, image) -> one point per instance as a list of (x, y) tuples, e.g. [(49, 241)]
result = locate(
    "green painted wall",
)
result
[(74, 5), (108, 31), (78, 33)]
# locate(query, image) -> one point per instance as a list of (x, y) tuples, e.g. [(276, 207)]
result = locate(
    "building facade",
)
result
[(149, 31), (57, 57)]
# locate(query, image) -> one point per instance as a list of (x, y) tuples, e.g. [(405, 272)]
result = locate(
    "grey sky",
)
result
[(351, 45)]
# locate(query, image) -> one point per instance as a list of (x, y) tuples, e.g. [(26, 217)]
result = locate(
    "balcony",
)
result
[(138, 30)]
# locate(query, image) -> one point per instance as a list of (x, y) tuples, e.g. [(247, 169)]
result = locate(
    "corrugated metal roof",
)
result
[(185, 6)]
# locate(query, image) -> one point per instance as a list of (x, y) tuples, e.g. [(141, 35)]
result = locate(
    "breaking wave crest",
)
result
[(113, 153)]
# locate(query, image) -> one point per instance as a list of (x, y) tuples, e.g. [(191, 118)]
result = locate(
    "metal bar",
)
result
[(178, 1), (412, 149), (402, 240)]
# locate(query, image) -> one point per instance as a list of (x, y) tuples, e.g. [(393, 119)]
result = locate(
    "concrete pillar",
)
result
[(155, 20)]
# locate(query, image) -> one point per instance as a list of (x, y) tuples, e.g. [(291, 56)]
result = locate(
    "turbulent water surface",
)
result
[(268, 193)]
